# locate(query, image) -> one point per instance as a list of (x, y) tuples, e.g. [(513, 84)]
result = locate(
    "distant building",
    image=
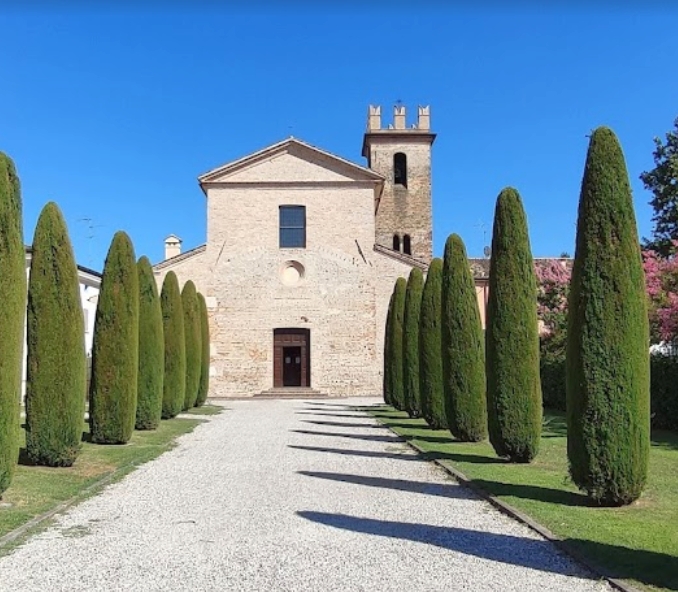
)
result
[(303, 250)]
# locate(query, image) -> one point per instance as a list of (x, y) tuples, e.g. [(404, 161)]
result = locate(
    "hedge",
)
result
[(12, 314), (55, 357), (607, 360), (115, 347)]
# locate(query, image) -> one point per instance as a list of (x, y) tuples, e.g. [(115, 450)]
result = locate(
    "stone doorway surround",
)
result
[(287, 342)]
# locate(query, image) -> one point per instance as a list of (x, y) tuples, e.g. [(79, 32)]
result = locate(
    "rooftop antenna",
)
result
[(90, 235), (483, 228)]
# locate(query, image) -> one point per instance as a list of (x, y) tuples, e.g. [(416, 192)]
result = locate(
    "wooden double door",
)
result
[(291, 358)]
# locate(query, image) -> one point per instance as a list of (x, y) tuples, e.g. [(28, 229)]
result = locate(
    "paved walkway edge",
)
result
[(516, 514)]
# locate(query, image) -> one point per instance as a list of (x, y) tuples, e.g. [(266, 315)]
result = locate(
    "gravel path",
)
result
[(288, 496)]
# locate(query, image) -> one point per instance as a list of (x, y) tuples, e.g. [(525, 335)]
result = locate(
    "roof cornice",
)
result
[(285, 146)]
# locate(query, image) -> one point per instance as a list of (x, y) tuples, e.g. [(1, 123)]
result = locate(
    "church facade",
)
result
[(303, 249)]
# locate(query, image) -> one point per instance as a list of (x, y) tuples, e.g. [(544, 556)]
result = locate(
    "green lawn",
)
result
[(36, 490), (205, 410), (637, 543)]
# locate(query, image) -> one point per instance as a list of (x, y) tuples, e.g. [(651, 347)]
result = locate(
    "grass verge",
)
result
[(204, 410), (636, 543), (36, 490)]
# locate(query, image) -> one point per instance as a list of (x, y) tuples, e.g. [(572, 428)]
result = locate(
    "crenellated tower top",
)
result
[(403, 156), (399, 119)]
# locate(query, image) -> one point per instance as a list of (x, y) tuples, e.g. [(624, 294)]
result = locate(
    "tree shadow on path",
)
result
[(369, 437), (450, 490), (325, 414), (359, 453), (534, 554), (342, 424)]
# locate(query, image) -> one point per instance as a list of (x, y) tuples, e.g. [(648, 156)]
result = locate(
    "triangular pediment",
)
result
[(290, 161)]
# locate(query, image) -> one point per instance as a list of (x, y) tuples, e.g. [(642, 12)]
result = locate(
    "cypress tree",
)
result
[(396, 346), (205, 352), (514, 404), (174, 382), (463, 351), (387, 351), (151, 350), (192, 335), (415, 285), (12, 312), (55, 359), (608, 364), (430, 348), (115, 348)]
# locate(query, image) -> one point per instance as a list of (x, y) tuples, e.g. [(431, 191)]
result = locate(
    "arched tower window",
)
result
[(407, 246), (400, 169), (396, 243)]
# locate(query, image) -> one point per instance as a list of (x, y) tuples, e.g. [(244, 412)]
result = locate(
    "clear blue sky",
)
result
[(113, 113)]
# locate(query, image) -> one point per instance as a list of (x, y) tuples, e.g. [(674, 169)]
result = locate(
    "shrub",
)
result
[(151, 350), (174, 381), (12, 312), (430, 348), (463, 352), (396, 346), (514, 403), (387, 351), (192, 335), (115, 347), (552, 375), (55, 358), (664, 396), (204, 388), (415, 285), (608, 362)]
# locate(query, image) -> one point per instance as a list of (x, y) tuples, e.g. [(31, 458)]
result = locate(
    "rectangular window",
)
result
[(292, 227)]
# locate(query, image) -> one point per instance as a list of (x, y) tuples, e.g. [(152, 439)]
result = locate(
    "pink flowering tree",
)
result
[(553, 278), (661, 276), (553, 284)]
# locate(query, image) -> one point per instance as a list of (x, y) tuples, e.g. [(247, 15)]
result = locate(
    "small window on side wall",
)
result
[(407, 245), (396, 242), (400, 169), (292, 227)]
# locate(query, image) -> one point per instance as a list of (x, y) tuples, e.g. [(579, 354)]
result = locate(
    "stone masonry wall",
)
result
[(405, 211), (334, 297)]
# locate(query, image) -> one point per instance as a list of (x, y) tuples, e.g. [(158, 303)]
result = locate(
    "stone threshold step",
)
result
[(291, 393)]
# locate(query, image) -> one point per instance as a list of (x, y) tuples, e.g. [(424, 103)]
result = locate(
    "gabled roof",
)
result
[(300, 149), (402, 257), (180, 257)]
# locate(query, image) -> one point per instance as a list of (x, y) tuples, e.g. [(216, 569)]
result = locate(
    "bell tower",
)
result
[(403, 156)]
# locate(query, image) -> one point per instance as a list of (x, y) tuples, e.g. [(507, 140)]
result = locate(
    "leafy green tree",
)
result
[(192, 335), (115, 348), (415, 285), (151, 350), (12, 312), (387, 351), (430, 348), (662, 181), (396, 346), (514, 404), (462, 347), (608, 360), (205, 352), (55, 368), (174, 382)]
